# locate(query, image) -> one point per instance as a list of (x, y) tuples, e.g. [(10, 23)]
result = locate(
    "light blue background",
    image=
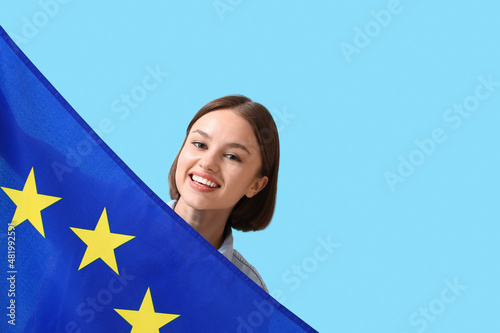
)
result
[(344, 122)]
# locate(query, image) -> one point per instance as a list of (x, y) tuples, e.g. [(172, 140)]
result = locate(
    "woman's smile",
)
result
[(203, 182)]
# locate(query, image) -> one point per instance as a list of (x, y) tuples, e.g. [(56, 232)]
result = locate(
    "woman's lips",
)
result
[(203, 183)]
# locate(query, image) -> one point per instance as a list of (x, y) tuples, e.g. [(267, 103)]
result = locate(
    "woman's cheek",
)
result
[(188, 155)]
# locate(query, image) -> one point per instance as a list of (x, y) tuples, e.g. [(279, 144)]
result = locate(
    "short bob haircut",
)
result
[(249, 214)]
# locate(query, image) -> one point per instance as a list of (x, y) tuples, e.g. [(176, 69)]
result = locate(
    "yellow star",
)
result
[(101, 243), (29, 203), (146, 320)]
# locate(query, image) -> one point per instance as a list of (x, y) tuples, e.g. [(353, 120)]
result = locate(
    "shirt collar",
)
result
[(226, 249)]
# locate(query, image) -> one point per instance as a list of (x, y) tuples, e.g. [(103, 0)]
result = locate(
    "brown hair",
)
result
[(255, 213)]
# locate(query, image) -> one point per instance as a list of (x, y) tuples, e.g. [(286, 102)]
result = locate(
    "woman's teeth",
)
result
[(204, 181)]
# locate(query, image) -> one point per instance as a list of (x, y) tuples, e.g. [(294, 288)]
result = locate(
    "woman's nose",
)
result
[(209, 162)]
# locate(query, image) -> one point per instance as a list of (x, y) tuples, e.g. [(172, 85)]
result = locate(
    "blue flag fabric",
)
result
[(88, 246)]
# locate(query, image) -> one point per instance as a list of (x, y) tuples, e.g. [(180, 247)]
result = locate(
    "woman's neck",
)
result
[(208, 223)]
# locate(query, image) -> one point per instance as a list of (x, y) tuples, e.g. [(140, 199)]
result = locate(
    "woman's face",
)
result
[(219, 163)]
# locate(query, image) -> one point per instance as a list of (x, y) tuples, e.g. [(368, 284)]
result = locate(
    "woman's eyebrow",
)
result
[(238, 145), (231, 144), (203, 134)]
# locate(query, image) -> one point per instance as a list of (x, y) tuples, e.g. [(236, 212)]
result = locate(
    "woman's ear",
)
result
[(257, 186)]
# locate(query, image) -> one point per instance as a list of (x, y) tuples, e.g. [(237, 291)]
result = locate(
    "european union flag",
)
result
[(88, 247)]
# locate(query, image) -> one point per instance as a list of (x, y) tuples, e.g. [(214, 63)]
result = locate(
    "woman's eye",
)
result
[(199, 145), (233, 157)]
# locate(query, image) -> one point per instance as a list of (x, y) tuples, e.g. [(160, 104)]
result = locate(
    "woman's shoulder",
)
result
[(239, 261)]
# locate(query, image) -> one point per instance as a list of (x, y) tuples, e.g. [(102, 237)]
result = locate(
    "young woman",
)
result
[(226, 174)]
